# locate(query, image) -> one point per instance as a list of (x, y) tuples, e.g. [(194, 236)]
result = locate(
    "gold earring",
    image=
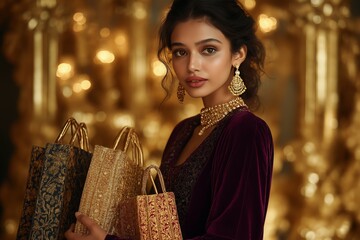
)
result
[(180, 93), (237, 86)]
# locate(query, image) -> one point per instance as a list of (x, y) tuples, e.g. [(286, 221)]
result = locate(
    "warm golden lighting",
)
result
[(158, 68), (121, 42), (77, 87), (249, 4), (32, 23), (67, 92), (328, 9), (316, 3), (105, 56), (266, 23), (85, 84), (64, 71), (122, 119), (139, 11), (105, 32), (79, 18)]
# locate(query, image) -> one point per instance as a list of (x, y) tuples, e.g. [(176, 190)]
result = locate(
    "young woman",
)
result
[(219, 162)]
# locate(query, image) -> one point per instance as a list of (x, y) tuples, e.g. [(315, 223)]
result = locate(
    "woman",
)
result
[(218, 163)]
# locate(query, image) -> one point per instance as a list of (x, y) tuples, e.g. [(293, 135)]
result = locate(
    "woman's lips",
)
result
[(195, 82)]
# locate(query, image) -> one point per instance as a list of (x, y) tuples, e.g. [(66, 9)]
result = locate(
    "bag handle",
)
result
[(137, 153), (81, 134), (124, 134), (128, 137), (146, 174), (71, 124)]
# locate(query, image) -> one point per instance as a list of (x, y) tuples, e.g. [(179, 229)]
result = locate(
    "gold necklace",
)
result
[(209, 116)]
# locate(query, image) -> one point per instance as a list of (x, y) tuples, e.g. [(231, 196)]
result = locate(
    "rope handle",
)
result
[(147, 174), (81, 133), (71, 124), (128, 137)]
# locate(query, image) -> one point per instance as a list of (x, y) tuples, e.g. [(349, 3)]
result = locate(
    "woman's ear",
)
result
[(239, 56)]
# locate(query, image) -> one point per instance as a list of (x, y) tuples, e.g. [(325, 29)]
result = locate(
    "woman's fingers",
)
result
[(95, 231)]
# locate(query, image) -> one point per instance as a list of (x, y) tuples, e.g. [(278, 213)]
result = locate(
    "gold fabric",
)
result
[(113, 177), (56, 178)]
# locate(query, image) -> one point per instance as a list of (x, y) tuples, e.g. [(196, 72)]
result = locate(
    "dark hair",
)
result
[(234, 22)]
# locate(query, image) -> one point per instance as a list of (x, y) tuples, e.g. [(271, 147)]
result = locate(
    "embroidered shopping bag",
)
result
[(114, 175), (62, 180), (33, 183), (153, 216)]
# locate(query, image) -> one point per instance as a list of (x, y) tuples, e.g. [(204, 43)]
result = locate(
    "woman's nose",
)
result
[(194, 63)]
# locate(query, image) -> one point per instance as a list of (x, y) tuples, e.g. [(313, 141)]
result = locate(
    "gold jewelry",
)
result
[(180, 93), (237, 86), (209, 116)]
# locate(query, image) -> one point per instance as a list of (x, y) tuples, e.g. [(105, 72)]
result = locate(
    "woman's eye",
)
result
[(209, 50), (179, 52)]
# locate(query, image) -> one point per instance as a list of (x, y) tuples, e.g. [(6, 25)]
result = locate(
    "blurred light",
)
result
[(77, 87), (316, 3), (289, 153), (121, 120), (32, 23), (100, 116), (79, 18), (313, 178), (139, 11), (309, 147), (105, 32), (266, 23), (78, 28), (85, 84), (10, 226), (120, 39), (309, 190), (345, 11), (105, 56), (64, 71), (327, 9), (83, 117), (343, 230), (151, 129), (329, 198), (249, 4), (121, 43), (317, 19), (67, 91), (310, 235), (158, 68)]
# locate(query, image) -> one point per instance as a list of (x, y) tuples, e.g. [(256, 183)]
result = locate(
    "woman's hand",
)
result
[(95, 232)]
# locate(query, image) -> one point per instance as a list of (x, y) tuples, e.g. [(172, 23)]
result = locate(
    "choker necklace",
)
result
[(212, 115)]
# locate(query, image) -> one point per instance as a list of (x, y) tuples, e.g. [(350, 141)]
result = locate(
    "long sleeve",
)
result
[(240, 181)]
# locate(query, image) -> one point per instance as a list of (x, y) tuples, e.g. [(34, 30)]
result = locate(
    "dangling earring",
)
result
[(237, 86), (180, 93)]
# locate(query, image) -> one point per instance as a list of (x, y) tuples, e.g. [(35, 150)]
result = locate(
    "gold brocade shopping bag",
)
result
[(114, 175), (153, 216), (33, 183), (55, 185)]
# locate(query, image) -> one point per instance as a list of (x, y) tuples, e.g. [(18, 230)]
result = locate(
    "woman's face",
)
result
[(202, 60)]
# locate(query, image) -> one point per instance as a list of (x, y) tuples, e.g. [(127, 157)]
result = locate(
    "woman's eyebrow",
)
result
[(174, 44)]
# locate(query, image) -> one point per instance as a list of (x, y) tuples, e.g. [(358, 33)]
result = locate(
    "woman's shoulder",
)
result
[(244, 119), (246, 125)]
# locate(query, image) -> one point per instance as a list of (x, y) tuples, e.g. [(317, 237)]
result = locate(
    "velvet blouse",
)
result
[(222, 189)]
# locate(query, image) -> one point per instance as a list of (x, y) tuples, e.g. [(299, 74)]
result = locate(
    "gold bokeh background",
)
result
[(96, 61)]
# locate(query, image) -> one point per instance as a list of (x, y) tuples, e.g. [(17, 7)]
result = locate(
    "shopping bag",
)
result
[(114, 175), (153, 216), (33, 183), (62, 180)]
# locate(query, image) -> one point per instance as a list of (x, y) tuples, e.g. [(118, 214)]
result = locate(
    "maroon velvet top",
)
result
[(222, 190)]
